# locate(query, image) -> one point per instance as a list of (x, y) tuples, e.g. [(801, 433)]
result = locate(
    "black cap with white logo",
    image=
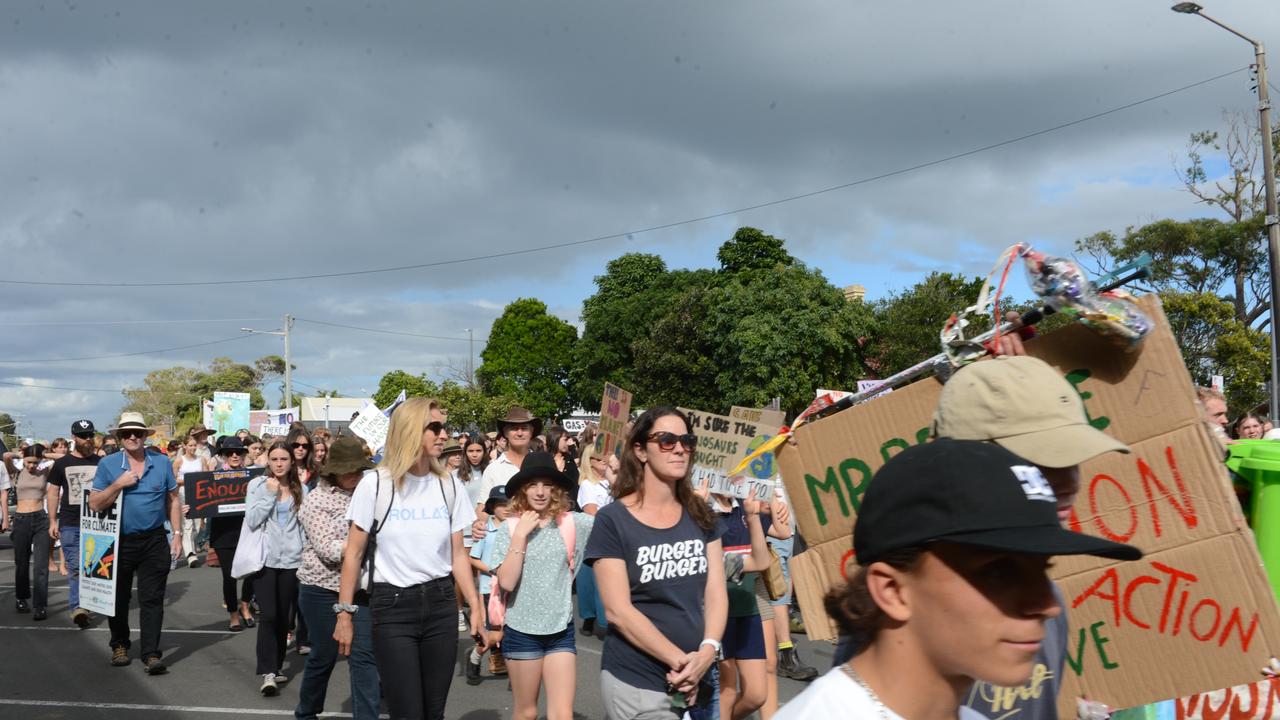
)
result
[(971, 493), (81, 427)]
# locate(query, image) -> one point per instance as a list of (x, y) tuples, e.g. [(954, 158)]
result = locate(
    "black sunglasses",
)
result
[(300, 445), (126, 434), (667, 441), (434, 426), (83, 436)]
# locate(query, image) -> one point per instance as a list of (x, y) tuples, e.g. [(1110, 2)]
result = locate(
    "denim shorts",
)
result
[(522, 646)]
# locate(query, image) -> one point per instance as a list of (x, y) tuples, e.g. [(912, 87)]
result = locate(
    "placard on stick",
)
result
[(371, 426), (1200, 597), (219, 493), (99, 554), (615, 410), (722, 443)]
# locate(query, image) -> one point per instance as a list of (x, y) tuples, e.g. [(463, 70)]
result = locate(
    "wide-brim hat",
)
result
[(519, 416), (496, 495), (538, 466), (132, 421), (199, 430), (346, 455), (451, 447), (230, 444)]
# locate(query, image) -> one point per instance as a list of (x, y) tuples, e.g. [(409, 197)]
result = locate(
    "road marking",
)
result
[(165, 631), (161, 708)]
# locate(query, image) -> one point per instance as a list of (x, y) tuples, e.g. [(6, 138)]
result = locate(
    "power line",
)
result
[(129, 322), (58, 387), (651, 228), (375, 330), (122, 355)]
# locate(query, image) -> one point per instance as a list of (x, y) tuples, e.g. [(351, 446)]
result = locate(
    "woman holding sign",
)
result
[(410, 516), (185, 463), (224, 535)]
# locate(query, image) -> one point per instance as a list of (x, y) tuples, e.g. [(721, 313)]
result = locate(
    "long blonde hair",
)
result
[(404, 439), (585, 471)]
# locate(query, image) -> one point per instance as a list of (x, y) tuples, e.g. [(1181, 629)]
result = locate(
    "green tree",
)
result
[(909, 323), (8, 430), (391, 384), (1212, 338), (750, 249), (468, 408), (171, 397), (528, 357)]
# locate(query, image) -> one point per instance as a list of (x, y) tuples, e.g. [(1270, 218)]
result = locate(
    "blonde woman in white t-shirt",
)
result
[(417, 557)]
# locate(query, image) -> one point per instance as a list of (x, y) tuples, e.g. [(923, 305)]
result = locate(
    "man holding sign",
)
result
[(68, 478), (150, 495)]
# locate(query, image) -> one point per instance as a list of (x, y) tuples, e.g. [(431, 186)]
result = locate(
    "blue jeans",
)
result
[(589, 604), (70, 537), (316, 605)]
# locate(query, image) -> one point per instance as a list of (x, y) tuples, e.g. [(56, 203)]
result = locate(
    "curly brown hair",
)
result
[(558, 506), (853, 609)]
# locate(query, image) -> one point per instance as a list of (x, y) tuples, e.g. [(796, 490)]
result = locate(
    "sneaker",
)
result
[(797, 624), (473, 671), (154, 666), (269, 688), (462, 621), (281, 678), (304, 649), (120, 656), (192, 560), (497, 663), (81, 618), (22, 606), (40, 614)]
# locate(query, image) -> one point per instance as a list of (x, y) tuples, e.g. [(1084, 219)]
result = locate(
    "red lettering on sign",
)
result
[(1183, 503), (844, 564), (1098, 520)]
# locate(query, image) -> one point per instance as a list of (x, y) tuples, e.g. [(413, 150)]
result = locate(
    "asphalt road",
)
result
[(51, 669)]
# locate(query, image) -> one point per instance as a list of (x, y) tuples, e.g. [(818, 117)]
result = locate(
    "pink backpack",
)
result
[(497, 597)]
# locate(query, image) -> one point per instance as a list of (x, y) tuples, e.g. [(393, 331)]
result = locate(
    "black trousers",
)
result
[(277, 593), (227, 556), (415, 641), (31, 530), (145, 555)]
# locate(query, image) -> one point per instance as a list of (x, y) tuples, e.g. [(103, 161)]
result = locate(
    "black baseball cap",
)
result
[(497, 496), (972, 493), (82, 427)]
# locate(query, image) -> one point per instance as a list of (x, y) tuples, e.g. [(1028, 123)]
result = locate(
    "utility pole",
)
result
[(1269, 187), (471, 358), (288, 364)]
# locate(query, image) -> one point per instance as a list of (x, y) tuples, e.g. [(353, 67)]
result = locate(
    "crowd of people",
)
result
[(387, 559)]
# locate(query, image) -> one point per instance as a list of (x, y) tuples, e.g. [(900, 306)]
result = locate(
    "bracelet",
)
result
[(518, 552)]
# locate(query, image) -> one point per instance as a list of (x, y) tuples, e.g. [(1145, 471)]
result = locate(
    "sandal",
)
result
[(248, 621)]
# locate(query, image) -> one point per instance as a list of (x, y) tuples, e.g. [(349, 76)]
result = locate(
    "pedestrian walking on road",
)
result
[(68, 478), (537, 551), (31, 540), (224, 536), (150, 497), (271, 508), (410, 516), (188, 462), (324, 520)]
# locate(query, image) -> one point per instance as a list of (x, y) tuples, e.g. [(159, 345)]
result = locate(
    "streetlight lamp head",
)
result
[(1187, 8)]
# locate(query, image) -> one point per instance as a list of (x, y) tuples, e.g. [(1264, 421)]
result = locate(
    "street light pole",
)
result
[(1269, 187), (471, 358)]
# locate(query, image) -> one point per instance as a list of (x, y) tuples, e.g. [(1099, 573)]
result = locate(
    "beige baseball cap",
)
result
[(1024, 405)]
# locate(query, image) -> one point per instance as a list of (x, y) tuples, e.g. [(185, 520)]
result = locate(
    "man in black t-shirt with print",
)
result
[(70, 475)]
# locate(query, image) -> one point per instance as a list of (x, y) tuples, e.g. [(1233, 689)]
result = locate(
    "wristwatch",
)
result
[(345, 608), (715, 645)]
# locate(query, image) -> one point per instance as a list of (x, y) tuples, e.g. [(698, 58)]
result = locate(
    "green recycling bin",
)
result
[(1258, 463)]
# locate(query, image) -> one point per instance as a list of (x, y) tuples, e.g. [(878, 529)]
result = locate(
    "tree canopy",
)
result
[(170, 397), (528, 357)]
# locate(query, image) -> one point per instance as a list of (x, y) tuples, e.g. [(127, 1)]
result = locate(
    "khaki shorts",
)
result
[(627, 702)]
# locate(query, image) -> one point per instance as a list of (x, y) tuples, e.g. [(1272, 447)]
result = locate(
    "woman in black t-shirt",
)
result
[(659, 565)]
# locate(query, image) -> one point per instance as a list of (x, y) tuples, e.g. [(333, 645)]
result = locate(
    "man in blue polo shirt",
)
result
[(150, 496)]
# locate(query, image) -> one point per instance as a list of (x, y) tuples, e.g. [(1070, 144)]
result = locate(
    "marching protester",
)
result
[(482, 559), (224, 536), (150, 493), (593, 494), (474, 462), (789, 664), (188, 462), (324, 520), (410, 516), (202, 435), (1247, 427), (451, 457), (658, 560), (319, 451), (67, 478), (31, 538), (271, 508), (299, 442), (560, 445), (536, 551), (953, 542), (515, 433)]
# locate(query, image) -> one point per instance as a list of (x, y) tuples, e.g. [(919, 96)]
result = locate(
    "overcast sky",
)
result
[(190, 142)]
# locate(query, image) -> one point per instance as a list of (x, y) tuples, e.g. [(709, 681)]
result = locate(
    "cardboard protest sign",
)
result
[(99, 542), (273, 430), (219, 493), (615, 410), (1200, 595), (722, 443), (766, 418), (371, 426)]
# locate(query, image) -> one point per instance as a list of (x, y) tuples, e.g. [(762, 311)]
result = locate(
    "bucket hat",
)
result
[(538, 466), (517, 416)]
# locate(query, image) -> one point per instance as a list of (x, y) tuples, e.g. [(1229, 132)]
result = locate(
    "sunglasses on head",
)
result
[(667, 441), (434, 426), (127, 434)]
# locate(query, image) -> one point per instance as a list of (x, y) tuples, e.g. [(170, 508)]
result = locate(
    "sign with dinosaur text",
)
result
[(1200, 596), (723, 440)]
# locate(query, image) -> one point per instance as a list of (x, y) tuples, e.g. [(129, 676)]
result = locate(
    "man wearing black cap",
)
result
[(68, 477), (953, 541)]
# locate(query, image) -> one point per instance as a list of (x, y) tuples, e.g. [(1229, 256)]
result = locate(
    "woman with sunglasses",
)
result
[(271, 506), (417, 557), (224, 535), (659, 564), (299, 442)]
